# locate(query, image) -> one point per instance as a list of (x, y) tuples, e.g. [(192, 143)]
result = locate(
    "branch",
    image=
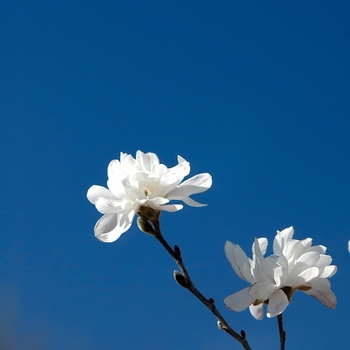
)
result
[(282, 331), (185, 281)]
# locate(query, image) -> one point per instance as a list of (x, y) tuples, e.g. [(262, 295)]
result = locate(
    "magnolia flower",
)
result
[(141, 182), (295, 265)]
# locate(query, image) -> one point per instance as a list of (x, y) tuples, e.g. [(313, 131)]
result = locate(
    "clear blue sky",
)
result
[(256, 93)]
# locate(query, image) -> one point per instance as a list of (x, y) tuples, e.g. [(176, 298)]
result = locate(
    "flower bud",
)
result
[(180, 279), (177, 251), (220, 325), (149, 213), (145, 226)]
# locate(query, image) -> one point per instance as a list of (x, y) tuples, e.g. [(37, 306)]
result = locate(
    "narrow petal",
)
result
[(239, 301), (230, 255), (196, 184), (257, 311), (321, 284), (277, 303), (171, 207), (239, 261), (263, 243), (111, 226), (189, 201), (327, 298)]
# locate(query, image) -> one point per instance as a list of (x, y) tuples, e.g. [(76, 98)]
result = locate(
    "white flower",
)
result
[(295, 265), (143, 181), (349, 246)]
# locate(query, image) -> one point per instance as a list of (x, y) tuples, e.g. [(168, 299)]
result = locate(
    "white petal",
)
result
[(304, 277), (122, 189), (263, 242), (324, 260), (189, 201), (320, 284), (239, 301), (305, 262), (280, 276), (298, 248), (157, 201), (321, 249), (281, 239), (95, 192), (174, 176), (327, 298), (107, 206), (262, 290), (115, 169), (239, 261), (147, 160), (111, 226), (196, 184), (128, 162), (328, 271), (349, 246), (277, 303), (257, 311), (310, 258), (171, 207)]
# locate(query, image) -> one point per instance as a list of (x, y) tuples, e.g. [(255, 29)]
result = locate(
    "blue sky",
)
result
[(255, 93)]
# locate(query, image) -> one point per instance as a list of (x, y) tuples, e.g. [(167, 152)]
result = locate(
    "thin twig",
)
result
[(282, 331), (209, 303)]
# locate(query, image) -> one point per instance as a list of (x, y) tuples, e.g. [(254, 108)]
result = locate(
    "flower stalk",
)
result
[(209, 303), (281, 331)]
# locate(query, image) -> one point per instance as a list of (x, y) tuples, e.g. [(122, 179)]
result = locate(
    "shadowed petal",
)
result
[(328, 271), (239, 301), (321, 284), (304, 277), (327, 298), (257, 311), (277, 303), (262, 290), (239, 261)]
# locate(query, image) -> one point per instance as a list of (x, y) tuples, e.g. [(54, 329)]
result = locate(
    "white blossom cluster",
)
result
[(295, 265)]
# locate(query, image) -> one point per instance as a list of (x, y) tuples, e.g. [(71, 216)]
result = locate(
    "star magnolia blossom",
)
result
[(295, 265), (143, 181)]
